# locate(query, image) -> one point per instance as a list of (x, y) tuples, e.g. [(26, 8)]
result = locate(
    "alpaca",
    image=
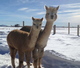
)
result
[(22, 42), (51, 16), (26, 28)]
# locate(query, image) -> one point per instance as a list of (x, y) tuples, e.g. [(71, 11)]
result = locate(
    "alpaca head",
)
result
[(37, 23), (51, 13)]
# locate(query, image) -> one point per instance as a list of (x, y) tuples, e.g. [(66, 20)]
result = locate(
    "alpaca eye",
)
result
[(47, 13), (34, 24), (55, 14), (40, 24)]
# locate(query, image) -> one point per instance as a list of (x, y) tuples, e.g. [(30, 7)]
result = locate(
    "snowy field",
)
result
[(61, 44), (67, 45)]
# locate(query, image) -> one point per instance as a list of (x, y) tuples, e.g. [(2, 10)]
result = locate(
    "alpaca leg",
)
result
[(35, 57), (28, 58), (35, 63), (40, 57), (21, 58), (13, 54), (39, 63)]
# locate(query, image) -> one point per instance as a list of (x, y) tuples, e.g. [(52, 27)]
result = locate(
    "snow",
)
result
[(61, 44), (5, 61), (67, 45)]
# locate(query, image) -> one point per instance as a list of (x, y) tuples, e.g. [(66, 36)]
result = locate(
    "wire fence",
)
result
[(66, 30), (56, 29)]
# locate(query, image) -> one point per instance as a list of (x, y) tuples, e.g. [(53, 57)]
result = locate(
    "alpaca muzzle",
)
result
[(52, 16), (37, 27)]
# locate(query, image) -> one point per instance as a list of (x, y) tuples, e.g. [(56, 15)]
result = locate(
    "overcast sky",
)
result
[(15, 11)]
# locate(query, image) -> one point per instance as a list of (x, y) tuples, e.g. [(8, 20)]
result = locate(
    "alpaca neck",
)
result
[(43, 38), (33, 37), (33, 34), (47, 29)]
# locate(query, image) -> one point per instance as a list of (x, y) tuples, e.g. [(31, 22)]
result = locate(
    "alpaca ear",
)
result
[(46, 7), (57, 8), (33, 18), (41, 19)]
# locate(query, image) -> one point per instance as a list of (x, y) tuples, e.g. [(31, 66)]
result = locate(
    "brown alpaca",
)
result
[(23, 42), (51, 16)]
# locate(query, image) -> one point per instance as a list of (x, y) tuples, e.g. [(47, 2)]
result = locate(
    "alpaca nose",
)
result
[(52, 16), (37, 26)]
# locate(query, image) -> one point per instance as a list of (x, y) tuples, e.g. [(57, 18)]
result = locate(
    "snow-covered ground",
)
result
[(5, 62), (65, 45), (61, 44)]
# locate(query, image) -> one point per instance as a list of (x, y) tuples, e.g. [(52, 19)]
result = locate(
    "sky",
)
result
[(16, 11)]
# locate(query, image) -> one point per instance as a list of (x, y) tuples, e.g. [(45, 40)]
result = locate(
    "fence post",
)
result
[(78, 30), (68, 28), (23, 23), (54, 29)]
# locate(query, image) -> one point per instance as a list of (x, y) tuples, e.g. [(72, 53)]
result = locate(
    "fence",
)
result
[(67, 30), (56, 29)]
